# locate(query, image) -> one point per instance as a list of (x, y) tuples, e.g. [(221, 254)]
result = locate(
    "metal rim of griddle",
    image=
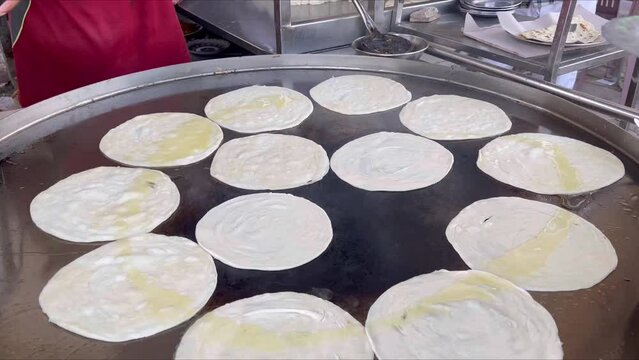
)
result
[(31, 124)]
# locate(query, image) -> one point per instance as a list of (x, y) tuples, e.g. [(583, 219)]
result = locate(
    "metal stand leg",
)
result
[(7, 51), (558, 42), (398, 7), (631, 89), (378, 15)]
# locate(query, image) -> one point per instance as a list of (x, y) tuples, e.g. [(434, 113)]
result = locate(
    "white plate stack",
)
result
[(488, 8)]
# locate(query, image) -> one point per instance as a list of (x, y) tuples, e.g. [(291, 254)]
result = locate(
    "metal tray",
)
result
[(380, 238)]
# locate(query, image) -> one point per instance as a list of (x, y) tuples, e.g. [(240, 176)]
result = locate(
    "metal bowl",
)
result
[(416, 50)]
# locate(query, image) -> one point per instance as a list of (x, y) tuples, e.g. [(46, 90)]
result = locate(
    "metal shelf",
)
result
[(447, 32)]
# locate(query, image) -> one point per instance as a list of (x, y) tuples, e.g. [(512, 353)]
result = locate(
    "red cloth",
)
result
[(67, 44)]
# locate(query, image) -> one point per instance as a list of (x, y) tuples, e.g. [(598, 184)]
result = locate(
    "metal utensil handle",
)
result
[(368, 21)]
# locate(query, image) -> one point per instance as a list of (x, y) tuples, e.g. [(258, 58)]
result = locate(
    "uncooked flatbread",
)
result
[(360, 94), (282, 325), (259, 108), (105, 203), (549, 164), (162, 139), (461, 315), (452, 117), (265, 231), (270, 162), (537, 246), (387, 161), (130, 288)]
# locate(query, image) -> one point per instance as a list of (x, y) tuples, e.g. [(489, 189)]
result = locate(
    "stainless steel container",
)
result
[(416, 51)]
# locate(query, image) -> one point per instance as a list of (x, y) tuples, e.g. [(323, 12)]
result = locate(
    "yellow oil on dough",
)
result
[(142, 186), (472, 287), (226, 116), (526, 259), (260, 339), (568, 175), (191, 137)]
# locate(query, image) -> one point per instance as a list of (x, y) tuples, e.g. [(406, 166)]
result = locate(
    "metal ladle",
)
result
[(379, 43)]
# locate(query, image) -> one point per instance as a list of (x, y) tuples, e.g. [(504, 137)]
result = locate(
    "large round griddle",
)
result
[(381, 238)]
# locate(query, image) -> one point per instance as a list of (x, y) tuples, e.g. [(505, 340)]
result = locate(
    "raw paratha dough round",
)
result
[(387, 161), (549, 164), (452, 117), (460, 315), (105, 203), (259, 108), (265, 231), (162, 139), (269, 162), (360, 94), (130, 288), (282, 325), (537, 246)]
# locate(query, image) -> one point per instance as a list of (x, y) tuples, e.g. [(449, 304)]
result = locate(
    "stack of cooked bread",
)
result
[(584, 33)]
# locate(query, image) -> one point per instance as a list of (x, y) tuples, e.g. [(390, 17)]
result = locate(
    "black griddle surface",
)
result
[(380, 238)]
